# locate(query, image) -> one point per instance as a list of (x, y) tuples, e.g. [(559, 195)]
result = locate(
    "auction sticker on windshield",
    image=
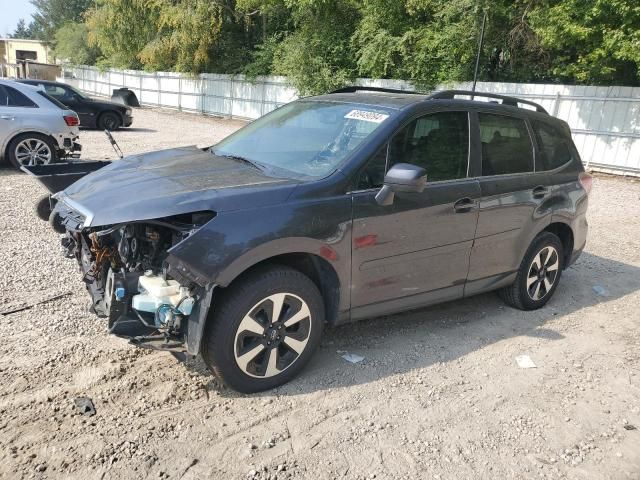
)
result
[(366, 116)]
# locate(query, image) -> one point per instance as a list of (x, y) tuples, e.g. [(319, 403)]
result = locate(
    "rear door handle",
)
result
[(540, 192), (7, 117), (464, 205)]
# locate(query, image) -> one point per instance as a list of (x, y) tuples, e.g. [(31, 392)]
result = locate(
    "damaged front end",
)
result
[(125, 267)]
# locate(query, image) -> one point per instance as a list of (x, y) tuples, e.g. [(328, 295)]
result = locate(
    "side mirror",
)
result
[(402, 177)]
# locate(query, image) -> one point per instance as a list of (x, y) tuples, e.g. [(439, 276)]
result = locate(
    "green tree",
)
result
[(317, 55), (121, 29), (596, 42), (72, 45), (53, 14), (23, 30)]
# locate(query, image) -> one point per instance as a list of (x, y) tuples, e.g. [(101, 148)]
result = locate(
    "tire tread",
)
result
[(231, 303), (513, 295)]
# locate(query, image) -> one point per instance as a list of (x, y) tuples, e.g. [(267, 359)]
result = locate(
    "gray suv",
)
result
[(350, 205)]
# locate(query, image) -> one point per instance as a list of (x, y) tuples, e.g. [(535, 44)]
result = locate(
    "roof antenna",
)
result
[(480, 42)]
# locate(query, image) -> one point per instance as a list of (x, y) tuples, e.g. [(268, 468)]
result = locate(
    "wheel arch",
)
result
[(564, 232), (318, 269)]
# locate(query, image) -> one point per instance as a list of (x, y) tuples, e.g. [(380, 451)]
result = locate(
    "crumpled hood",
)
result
[(171, 182)]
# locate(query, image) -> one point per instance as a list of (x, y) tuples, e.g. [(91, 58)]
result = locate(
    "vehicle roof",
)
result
[(35, 80), (398, 100), (18, 85)]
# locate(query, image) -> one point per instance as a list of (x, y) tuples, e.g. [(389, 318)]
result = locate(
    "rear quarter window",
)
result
[(57, 103), (556, 148)]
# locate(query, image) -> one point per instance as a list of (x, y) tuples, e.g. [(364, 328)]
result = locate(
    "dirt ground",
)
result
[(438, 396)]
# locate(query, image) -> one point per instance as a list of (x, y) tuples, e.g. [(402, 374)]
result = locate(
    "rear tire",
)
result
[(109, 121), (246, 346), (32, 149), (538, 275)]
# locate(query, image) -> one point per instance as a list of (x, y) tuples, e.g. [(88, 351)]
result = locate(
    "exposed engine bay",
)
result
[(125, 271)]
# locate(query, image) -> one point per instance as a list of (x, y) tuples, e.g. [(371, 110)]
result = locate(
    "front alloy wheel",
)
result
[(263, 329), (272, 335)]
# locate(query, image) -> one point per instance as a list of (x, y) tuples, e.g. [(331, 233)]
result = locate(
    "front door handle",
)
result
[(540, 192), (464, 205)]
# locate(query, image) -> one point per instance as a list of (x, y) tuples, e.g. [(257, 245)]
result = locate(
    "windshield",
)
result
[(77, 92), (307, 138)]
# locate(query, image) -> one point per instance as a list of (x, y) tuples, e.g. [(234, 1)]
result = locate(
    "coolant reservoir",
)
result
[(156, 291), (158, 286)]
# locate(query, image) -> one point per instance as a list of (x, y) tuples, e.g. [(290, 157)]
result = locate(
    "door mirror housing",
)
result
[(402, 177)]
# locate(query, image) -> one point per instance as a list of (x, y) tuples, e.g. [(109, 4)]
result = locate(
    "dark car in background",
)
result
[(93, 113), (329, 209)]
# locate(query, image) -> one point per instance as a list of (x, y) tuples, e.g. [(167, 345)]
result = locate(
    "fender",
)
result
[(234, 241)]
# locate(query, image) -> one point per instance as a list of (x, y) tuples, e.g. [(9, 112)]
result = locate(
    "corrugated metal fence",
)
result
[(605, 121)]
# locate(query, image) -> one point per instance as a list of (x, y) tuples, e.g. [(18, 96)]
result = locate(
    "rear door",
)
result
[(16, 111), (511, 205), (7, 117), (415, 251)]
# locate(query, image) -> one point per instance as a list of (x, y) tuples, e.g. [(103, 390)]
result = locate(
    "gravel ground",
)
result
[(439, 394)]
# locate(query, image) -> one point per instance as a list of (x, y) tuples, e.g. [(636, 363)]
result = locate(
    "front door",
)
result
[(415, 251)]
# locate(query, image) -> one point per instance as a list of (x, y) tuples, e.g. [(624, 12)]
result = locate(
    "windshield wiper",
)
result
[(242, 159)]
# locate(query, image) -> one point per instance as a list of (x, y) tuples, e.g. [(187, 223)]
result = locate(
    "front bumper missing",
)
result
[(126, 322), (132, 326)]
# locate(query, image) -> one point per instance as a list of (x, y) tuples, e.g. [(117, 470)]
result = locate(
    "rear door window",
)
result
[(4, 97), (506, 145), (13, 98), (556, 149)]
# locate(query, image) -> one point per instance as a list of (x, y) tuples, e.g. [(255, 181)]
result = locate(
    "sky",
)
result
[(11, 11)]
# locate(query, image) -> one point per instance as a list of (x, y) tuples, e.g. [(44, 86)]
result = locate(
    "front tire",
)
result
[(43, 208), (264, 330), (538, 275)]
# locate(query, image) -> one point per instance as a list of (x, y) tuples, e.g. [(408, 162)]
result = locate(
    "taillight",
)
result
[(71, 120), (586, 181)]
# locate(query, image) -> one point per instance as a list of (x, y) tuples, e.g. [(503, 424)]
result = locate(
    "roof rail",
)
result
[(358, 88), (506, 100), (445, 95)]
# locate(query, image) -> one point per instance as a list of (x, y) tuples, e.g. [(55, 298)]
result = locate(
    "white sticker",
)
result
[(373, 117)]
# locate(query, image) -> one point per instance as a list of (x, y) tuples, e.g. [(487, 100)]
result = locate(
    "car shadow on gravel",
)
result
[(397, 344)]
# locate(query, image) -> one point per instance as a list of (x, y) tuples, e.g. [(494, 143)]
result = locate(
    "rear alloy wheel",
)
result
[(264, 329), (543, 273), (109, 121), (31, 149), (538, 275)]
